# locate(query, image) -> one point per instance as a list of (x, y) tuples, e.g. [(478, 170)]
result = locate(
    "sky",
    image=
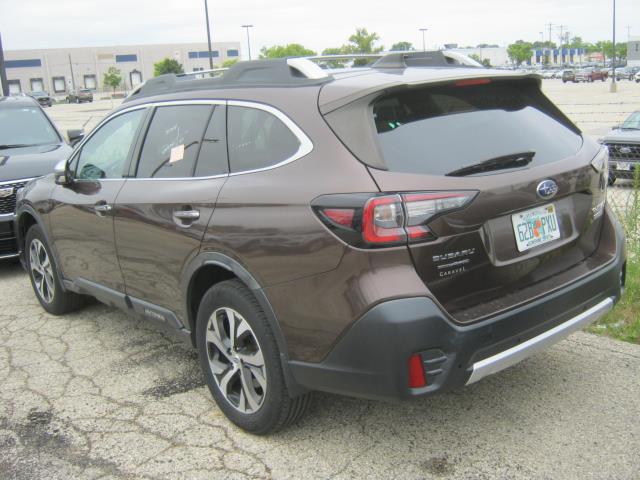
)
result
[(315, 24)]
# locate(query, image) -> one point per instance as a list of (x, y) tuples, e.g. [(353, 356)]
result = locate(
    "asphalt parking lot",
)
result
[(98, 394)]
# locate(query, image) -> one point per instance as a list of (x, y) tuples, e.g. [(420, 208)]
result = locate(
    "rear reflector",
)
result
[(472, 81), (416, 371)]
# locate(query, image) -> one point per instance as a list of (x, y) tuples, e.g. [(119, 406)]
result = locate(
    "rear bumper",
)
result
[(370, 360)]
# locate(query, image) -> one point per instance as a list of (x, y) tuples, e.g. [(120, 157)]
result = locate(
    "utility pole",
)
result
[(561, 27), (424, 47), (206, 14), (550, 25), (628, 32), (4, 85), (247, 27), (73, 80), (614, 87)]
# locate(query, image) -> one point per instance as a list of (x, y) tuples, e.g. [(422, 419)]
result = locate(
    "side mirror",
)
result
[(60, 173), (75, 135)]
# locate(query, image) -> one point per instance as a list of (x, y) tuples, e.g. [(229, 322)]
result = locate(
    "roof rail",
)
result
[(268, 73)]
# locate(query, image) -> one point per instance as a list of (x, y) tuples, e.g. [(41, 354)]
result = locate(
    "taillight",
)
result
[(383, 220), (370, 221)]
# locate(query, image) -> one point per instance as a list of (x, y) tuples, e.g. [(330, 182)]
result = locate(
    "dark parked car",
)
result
[(42, 98), (590, 75), (30, 146), (624, 148), (568, 76), (80, 96), (385, 233)]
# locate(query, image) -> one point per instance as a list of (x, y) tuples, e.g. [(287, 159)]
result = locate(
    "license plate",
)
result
[(535, 227), (623, 166)]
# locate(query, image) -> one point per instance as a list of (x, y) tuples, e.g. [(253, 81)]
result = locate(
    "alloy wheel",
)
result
[(236, 360), (41, 270)]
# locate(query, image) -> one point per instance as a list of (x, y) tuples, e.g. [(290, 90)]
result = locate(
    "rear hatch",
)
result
[(532, 188)]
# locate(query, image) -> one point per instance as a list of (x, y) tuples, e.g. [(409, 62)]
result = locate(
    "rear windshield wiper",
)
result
[(514, 160)]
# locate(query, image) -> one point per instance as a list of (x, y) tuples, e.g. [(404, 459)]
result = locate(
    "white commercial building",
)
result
[(633, 52), (58, 70)]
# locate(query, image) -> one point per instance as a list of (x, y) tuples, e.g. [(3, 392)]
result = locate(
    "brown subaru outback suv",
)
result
[(385, 232)]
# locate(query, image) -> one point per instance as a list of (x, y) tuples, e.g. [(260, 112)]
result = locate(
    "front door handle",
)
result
[(102, 208)]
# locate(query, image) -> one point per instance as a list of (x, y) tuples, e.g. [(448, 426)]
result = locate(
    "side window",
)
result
[(173, 141), (106, 153), (213, 153), (257, 139)]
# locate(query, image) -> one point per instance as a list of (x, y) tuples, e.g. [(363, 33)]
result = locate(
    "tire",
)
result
[(44, 277), (245, 376)]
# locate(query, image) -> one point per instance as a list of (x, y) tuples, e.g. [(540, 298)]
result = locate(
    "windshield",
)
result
[(632, 121), (26, 126), (443, 129)]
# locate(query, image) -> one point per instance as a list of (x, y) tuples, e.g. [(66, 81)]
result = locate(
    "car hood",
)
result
[(619, 135), (29, 162)]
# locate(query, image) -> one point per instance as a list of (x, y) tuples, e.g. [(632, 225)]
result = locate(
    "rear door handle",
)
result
[(184, 218), (187, 214)]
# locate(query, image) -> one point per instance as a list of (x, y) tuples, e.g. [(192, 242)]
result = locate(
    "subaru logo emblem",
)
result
[(6, 192), (625, 150), (547, 189)]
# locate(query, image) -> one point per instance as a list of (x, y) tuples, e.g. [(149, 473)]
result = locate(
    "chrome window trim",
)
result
[(305, 148)]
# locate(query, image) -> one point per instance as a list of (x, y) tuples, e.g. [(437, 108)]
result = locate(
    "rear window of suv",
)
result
[(437, 130)]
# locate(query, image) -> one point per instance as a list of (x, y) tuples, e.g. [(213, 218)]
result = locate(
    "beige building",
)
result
[(58, 70)]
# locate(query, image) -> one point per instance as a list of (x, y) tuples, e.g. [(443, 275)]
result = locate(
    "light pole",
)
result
[(423, 30), (206, 14), (247, 27), (613, 87)]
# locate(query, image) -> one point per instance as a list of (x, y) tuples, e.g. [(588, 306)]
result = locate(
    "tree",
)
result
[(363, 41), (167, 65), (484, 61), (519, 52), (546, 44), (229, 63), (402, 47), (285, 51), (112, 78)]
